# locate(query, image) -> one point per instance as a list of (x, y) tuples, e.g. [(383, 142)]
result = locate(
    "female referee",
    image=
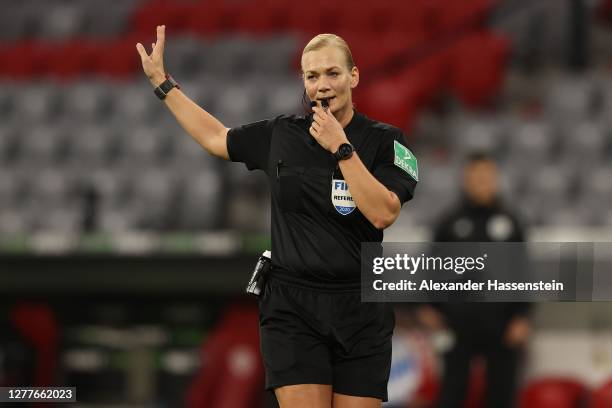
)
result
[(337, 179)]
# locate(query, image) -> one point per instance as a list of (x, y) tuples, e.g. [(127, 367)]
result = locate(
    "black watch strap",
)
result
[(162, 90)]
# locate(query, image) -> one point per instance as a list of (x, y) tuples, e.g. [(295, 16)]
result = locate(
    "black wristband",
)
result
[(162, 90)]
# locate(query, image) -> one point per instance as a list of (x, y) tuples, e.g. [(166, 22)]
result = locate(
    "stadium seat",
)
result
[(406, 17), (387, 100), (134, 104), (396, 100), (239, 103), (199, 200), (187, 56), (531, 141), (41, 145), (210, 18), (261, 17), (90, 145), (477, 134), (36, 322), (453, 16), (570, 100), (596, 184), (150, 14), (11, 186), (306, 21), (283, 97), (72, 59), (86, 100), (273, 56), (583, 139), (230, 362), (550, 181), (153, 190), (22, 60), (144, 144), (231, 57), (602, 396), (13, 24), (553, 393), (63, 21), (125, 62), (101, 21), (477, 67), (37, 103)]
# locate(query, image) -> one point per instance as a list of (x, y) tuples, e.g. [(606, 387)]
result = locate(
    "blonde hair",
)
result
[(333, 40)]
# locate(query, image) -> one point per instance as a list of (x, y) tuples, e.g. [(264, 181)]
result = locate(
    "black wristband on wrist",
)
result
[(162, 90)]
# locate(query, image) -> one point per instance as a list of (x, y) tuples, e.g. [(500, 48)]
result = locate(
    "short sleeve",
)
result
[(396, 166), (250, 143)]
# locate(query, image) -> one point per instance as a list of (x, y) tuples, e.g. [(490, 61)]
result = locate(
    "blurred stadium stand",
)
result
[(76, 102), (92, 166)]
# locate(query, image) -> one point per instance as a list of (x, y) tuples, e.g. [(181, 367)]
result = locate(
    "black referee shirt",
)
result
[(316, 228)]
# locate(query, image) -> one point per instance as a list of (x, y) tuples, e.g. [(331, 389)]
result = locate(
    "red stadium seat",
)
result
[(397, 100), (478, 66), (408, 16), (261, 17), (232, 373), (118, 59), (37, 324), (153, 13), (214, 17), (451, 16), (23, 60), (553, 393), (602, 397), (72, 59), (205, 19), (305, 20), (368, 23), (390, 100), (375, 52)]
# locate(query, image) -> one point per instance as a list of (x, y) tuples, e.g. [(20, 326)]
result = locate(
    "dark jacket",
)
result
[(468, 222)]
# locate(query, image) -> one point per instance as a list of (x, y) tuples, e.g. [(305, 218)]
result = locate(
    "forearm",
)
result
[(379, 205), (207, 130)]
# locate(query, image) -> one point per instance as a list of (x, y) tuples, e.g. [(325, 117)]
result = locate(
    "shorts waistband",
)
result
[(279, 275)]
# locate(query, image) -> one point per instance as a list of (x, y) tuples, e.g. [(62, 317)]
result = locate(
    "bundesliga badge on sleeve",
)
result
[(341, 197)]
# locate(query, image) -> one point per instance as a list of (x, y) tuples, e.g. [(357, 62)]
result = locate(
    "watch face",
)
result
[(345, 150)]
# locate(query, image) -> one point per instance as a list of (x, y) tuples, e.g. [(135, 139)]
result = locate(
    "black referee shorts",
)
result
[(313, 336)]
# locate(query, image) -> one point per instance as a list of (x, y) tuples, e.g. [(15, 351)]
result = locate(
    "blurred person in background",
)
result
[(337, 179), (497, 331)]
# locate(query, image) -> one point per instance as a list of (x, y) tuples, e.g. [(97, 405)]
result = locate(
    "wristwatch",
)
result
[(345, 151), (162, 90)]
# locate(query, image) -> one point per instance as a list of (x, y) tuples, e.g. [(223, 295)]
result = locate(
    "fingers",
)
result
[(315, 129), (319, 115), (313, 132), (141, 51), (161, 37)]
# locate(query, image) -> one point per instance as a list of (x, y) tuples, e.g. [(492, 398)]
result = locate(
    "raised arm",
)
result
[(207, 130)]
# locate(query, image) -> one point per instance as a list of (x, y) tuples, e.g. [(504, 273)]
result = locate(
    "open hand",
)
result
[(153, 64)]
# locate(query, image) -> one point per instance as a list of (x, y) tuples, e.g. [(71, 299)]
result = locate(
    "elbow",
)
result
[(385, 221), (216, 144), (387, 218)]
